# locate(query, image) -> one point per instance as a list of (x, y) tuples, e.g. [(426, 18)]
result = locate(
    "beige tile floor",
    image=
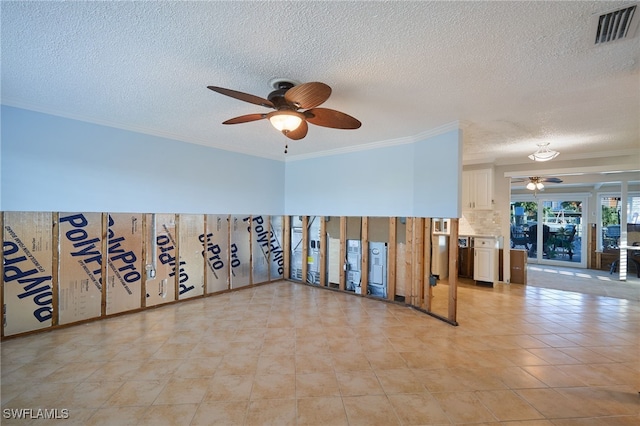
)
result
[(291, 354), (588, 281)]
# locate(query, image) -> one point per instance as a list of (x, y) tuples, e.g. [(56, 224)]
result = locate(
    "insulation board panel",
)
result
[(276, 251), (191, 270), (161, 288), (80, 273), (240, 251), (125, 270), (28, 271), (215, 249), (260, 248)]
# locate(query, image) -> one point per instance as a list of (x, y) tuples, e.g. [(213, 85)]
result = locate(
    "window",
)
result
[(611, 206)]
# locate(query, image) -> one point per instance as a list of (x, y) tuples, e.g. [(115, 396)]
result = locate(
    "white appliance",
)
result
[(296, 248), (440, 256), (377, 284), (353, 265)]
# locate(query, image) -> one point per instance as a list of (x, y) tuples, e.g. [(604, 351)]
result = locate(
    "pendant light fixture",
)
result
[(544, 153)]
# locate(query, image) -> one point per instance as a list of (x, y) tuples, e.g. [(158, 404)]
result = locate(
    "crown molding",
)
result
[(461, 124), (455, 125), (137, 129), (228, 147)]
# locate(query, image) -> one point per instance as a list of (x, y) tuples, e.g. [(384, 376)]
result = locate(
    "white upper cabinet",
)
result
[(477, 189)]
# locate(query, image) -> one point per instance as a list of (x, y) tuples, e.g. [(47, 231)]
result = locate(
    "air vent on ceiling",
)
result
[(615, 25)]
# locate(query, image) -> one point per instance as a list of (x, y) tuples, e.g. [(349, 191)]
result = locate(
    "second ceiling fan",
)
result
[(536, 183), (294, 106)]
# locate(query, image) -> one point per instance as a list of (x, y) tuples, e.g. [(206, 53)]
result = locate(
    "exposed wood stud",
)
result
[(145, 261), (105, 257), (270, 234), (229, 268), (250, 229), (364, 268), (428, 290), (418, 260), (229, 242), (409, 296), (55, 271), (286, 247), (305, 248), (343, 251), (176, 268), (205, 290), (323, 251), (392, 259), (591, 247), (453, 269)]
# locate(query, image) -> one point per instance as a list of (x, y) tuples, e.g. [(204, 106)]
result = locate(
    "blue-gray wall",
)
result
[(420, 179), (437, 175), (57, 164), (51, 163)]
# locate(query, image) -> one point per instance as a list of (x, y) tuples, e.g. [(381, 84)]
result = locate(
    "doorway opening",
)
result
[(551, 229)]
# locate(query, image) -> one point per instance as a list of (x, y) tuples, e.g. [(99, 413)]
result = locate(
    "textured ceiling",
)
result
[(513, 74)]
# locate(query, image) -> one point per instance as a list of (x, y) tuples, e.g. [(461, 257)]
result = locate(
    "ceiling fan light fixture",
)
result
[(285, 121), (535, 184), (544, 153)]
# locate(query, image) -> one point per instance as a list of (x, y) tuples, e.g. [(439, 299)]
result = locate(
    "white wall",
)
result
[(57, 164)]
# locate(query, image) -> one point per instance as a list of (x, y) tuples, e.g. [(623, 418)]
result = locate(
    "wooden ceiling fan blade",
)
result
[(551, 180), (245, 118), (298, 133), (257, 100), (308, 95), (331, 118)]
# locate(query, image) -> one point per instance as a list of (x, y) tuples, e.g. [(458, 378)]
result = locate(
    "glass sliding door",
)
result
[(565, 220), (551, 228), (609, 223), (524, 214)]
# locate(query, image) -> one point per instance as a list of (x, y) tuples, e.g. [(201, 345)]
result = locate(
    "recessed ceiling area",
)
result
[(511, 74)]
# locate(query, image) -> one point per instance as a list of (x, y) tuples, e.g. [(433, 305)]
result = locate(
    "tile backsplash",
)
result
[(480, 222)]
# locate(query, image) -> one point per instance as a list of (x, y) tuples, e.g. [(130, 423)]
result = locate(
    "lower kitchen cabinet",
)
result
[(485, 260)]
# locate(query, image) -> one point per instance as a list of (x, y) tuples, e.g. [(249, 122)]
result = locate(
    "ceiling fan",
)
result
[(294, 106), (536, 183)]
